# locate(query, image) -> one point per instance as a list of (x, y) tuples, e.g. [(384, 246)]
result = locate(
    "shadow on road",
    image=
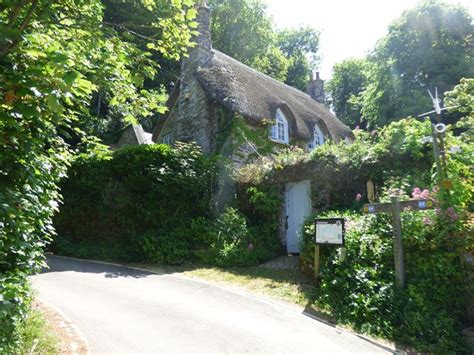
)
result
[(60, 264)]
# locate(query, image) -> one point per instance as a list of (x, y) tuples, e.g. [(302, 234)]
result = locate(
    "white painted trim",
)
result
[(280, 118)]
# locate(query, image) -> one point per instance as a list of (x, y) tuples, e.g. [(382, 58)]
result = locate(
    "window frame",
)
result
[(279, 130), (317, 134)]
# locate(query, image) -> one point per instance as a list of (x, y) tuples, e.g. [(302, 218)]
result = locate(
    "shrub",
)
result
[(430, 313), (134, 203), (231, 242), (360, 289), (30, 168), (261, 205)]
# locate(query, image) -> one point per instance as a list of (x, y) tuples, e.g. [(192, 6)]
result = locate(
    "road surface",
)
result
[(119, 309)]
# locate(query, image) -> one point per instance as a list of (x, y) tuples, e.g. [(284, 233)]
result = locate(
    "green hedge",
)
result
[(360, 291), (156, 203), (116, 204)]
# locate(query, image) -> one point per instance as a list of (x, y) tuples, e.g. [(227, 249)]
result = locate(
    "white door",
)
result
[(298, 207)]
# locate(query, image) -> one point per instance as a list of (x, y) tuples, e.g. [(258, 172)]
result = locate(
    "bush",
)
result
[(430, 313), (231, 242), (261, 205), (360, 290), (31, 165), (135, 203)]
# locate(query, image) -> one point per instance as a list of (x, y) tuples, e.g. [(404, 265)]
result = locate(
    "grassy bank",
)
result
[(36, 335)]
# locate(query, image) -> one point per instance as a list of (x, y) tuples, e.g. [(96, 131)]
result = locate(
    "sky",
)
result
[(349, 28)]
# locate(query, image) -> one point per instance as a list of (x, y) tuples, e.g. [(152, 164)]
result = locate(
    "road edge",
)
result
[(77, 332), (245, 293)]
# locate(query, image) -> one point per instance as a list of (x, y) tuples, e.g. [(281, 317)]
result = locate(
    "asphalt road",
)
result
[(119, 309)]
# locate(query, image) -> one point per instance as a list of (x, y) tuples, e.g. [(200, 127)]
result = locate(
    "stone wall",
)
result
[(128, 137), (194, 121)]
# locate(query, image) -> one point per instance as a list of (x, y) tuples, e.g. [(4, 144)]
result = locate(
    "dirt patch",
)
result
[(70, 340)]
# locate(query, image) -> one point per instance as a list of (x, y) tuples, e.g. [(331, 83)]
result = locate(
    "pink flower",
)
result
[(427, 221), (451, 213), (425, 194), (358, 197), (357, 128), (416, 193)]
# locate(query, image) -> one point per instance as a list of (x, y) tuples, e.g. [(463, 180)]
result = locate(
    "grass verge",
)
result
[(36, 337)]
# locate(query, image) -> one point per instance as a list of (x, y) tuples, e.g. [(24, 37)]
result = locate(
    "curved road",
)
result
[(119, 309)]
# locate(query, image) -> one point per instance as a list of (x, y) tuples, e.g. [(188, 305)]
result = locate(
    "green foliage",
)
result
[(273, 63), (429, 46), (299, 72), (359, 290), (300, 46), (244, 30), (241, 29), (349, 79), (140, 199), (35, 336), (153, 203), (262, 207), (231, 241), (341, 170), (461, 101)]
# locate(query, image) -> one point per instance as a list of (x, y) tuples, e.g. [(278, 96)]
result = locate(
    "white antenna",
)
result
[(436, 104)]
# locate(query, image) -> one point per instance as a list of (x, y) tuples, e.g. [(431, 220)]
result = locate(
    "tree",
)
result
[(54, 55), (349, 79), (243, 30), (460, 100), (300, 47), (428, 46)]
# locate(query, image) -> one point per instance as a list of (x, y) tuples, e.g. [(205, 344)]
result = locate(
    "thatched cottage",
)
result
[(215, 92)]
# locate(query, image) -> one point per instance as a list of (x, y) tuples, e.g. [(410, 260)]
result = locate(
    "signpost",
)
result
[(328, 231), (395, 207)]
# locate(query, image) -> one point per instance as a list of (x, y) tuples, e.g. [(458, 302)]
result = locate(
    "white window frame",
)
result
[(279, 131), (318, 138), (167, 138)]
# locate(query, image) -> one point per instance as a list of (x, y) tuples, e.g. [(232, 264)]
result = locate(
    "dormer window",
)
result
[(279, 131), (318, 138)]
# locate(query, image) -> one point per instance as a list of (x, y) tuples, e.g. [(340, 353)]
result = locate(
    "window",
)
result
[(167, 139), (318, 138), (279, 131)]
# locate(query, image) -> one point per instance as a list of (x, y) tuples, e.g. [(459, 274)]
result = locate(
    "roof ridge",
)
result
[(214, 51)]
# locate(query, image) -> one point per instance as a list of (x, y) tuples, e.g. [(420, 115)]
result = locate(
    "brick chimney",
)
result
[(316, 88)]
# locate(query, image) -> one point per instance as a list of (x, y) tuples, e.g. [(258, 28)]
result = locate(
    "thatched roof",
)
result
[(257, 96)]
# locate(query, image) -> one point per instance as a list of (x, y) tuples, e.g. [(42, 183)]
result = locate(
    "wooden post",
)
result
[(397, 244), (342, 254), (316, 262), (370, 191), (439, 169)]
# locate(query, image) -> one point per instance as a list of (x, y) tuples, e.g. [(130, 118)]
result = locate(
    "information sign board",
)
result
[(329, 231)]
